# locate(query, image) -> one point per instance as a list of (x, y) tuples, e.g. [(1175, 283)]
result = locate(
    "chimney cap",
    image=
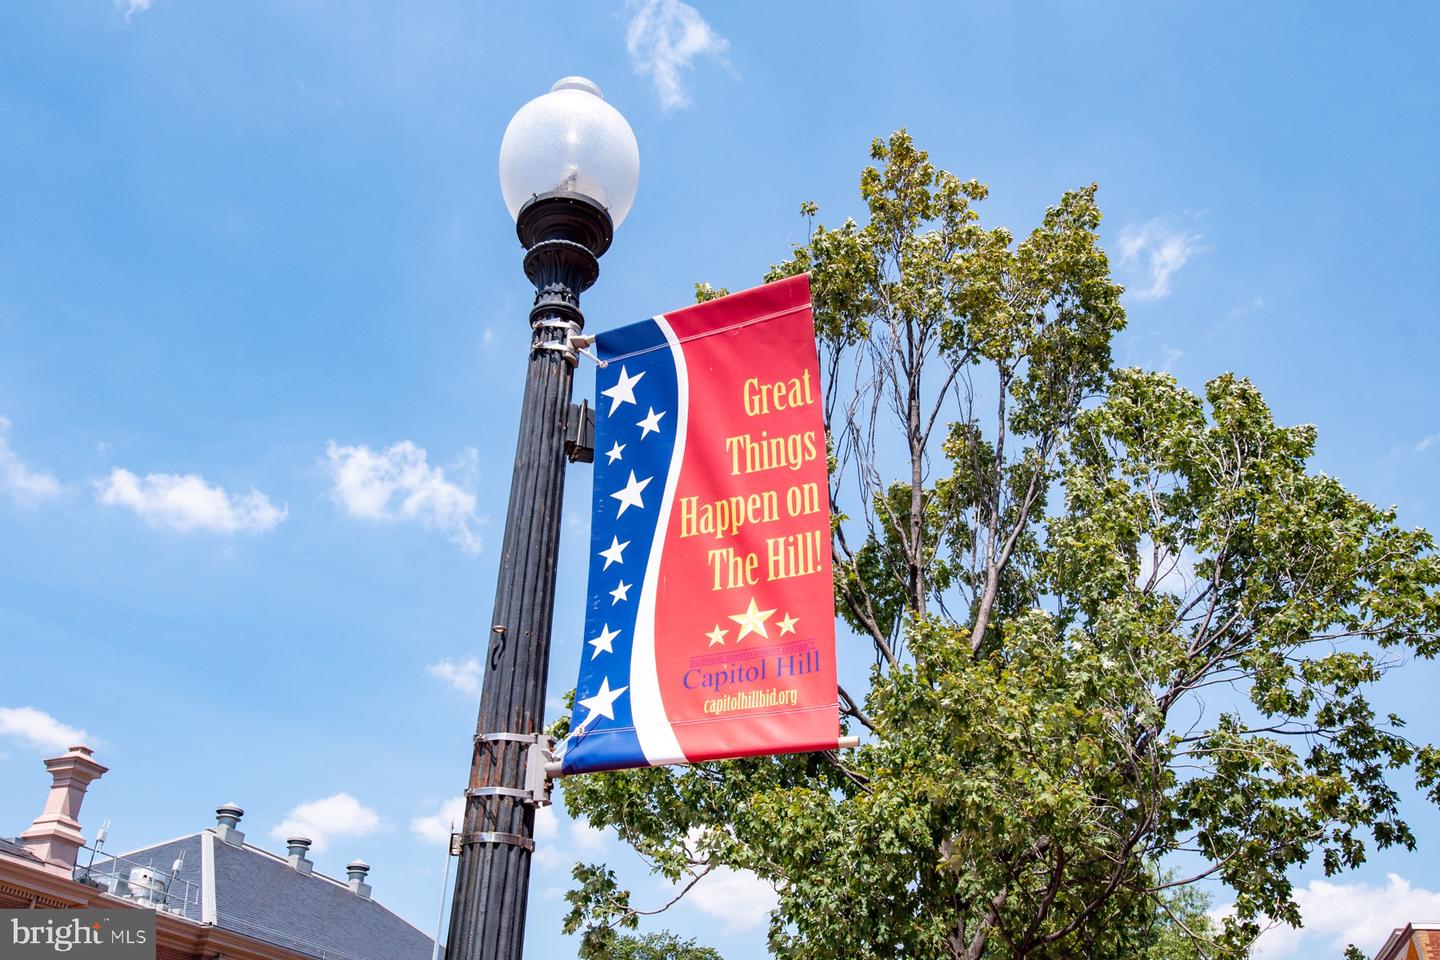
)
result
[(356, 871), (298, 842), (227, 823)]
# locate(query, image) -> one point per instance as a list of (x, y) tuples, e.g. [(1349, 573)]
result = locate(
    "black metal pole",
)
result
[(564, 235)]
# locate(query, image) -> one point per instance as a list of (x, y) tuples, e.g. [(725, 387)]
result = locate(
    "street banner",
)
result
[(710, 616)]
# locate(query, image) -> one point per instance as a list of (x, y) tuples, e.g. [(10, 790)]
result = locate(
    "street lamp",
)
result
[(570, 140), (569, 167)]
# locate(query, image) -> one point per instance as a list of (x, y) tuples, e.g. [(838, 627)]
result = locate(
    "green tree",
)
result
[(660, 946), (1117, 626), (1180, 926)]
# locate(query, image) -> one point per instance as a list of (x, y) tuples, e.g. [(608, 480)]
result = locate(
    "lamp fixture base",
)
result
[(565, 215), (564, 235)]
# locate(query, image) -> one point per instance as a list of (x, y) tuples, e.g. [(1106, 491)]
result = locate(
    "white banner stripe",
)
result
[(652, 725)]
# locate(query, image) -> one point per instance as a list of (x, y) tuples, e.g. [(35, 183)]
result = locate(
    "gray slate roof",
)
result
[(256, 893)]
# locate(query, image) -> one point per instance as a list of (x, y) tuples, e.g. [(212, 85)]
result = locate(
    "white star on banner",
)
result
[(621, 592), (630, 495), (614, 452), (623, 391), (614, 553), (602, 704), (651, 424), (602, 642)]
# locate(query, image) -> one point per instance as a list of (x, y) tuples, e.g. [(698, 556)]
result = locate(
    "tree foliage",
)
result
[(1118, 626), (661, 946)]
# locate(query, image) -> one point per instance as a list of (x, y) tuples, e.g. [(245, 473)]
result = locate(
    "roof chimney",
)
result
[(55, 835), (357, 870), (298, 847), (227, 818)]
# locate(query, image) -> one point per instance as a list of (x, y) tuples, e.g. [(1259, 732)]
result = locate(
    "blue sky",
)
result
[(262, 323)]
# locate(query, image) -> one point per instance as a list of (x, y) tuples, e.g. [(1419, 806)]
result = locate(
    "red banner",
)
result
[(710, 627)]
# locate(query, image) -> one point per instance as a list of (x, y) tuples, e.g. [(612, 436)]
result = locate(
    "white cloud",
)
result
[(586, 838), (553, 848), (398, 484), (37, 728), (26, 486), (437, 827), (1337, 914), (1156, 251), (330, 818), (547, 836), (463, 675), (663, 38), (1425, 443), (1256, 303), (187, 503), (738, 897), (547, 826), (132, 7)]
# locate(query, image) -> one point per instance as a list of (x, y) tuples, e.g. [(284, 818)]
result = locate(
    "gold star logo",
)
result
[(787, 625), (717, 636), (752, 621)]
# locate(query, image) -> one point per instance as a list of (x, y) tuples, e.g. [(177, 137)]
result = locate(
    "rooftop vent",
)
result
[(297, 848), (357, 870), (227, 817), (145, 885)]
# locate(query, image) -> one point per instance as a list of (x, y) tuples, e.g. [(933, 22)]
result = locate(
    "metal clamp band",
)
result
[(510, 737), (513, 839), (563, 347), (539, 752), (498, 792)]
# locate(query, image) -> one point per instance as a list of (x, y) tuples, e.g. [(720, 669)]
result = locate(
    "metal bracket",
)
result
[(581, 343), (498, 792), (513, 839), (580, 433), (507, 737), (537, 783), (538, 787), (561, 346), (565, 346)]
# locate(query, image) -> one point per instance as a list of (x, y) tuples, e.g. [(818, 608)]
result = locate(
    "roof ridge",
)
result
[(286, 861), (148, 846)]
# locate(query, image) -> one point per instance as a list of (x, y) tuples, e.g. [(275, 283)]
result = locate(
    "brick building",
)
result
[(214, 895), (1414, 941)]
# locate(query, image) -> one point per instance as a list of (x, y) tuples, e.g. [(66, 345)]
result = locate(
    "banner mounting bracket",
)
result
[(539, 754), (580, 433)]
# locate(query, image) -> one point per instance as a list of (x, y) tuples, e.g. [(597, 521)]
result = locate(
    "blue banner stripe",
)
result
[(635, 428)]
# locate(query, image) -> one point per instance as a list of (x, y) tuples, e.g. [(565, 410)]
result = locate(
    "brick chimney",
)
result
[(55, 835)]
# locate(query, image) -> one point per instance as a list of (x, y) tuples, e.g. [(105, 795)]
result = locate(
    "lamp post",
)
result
[(569, 166)]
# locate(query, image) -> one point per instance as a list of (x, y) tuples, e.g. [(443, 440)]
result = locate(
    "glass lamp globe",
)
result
[(570, 140)]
